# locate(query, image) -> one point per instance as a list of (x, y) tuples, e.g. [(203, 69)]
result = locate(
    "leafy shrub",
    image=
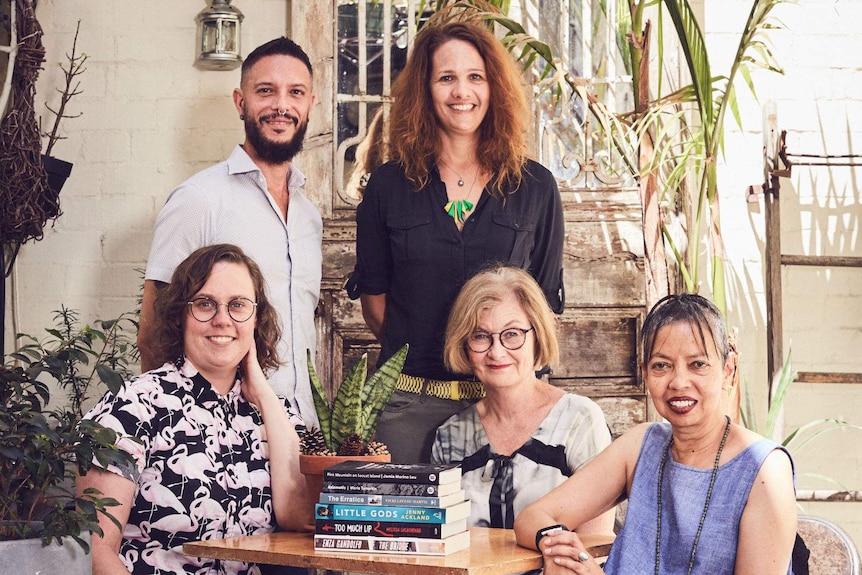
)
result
[(43, 448)]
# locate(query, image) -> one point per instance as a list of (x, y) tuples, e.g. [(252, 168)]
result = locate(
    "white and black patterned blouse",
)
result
[(201, 468), (500, 486)]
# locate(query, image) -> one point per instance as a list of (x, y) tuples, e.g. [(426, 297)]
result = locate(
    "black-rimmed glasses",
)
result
[(239, 309), (512, 338)]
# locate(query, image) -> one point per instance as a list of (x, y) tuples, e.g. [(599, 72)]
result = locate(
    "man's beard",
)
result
[(274, 152)]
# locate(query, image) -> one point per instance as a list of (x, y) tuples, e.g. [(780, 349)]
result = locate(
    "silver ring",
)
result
[(281, 113), (583, 556)]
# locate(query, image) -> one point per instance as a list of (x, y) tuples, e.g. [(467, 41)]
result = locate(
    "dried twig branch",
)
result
[(75, 68)]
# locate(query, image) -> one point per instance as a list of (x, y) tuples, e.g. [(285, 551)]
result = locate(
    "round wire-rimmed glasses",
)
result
[(511, 338), (239, 309)]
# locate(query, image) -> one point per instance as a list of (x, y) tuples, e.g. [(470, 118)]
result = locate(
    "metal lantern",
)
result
[(218, 36)]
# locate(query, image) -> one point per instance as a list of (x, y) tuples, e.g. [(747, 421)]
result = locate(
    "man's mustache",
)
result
[(290, 117)]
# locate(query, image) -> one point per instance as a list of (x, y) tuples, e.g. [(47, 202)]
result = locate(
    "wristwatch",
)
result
[(546, 530)]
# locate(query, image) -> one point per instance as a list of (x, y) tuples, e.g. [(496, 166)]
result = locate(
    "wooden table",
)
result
[(491, 552)]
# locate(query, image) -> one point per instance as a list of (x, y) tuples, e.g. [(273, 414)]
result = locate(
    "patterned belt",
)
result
[(453, 389)]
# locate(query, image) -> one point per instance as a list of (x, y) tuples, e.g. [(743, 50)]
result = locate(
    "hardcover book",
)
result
[(406, 545), (383, 513), (374, 488), (393, 500), (393, 472), (390, 528)]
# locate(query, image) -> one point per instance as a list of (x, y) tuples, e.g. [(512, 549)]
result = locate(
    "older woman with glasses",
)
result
[(525, 437), (458, 194), (215, 450)]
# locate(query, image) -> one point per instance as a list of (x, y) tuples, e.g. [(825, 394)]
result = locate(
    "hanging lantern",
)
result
[(218, 36)]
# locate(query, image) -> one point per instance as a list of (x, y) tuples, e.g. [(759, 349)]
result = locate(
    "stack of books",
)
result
[(377, 507)]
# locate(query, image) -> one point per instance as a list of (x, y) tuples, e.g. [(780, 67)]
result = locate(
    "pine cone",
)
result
[(312, 442), (352, 445), (376, 448)]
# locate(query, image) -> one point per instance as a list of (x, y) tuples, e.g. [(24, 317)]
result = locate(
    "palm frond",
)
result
[(778, 390), (694, 49), (805, 434)]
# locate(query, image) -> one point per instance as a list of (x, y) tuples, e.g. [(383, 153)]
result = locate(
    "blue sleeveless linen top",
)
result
[(683, 496)]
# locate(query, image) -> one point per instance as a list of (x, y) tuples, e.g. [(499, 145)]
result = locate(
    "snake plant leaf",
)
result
[(321, 402), (348, 403), (377, 391)]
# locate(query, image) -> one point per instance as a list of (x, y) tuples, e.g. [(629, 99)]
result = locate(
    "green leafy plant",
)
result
[(348, 424), (67, 352), (686, 126), (42, 449)]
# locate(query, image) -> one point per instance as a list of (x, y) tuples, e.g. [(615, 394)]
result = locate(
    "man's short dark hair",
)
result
[(278, 47)]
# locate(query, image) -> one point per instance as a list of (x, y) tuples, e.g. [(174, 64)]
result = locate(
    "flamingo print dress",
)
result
[(201, 468)]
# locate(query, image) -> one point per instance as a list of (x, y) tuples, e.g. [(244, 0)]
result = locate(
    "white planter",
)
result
[(29, 557)]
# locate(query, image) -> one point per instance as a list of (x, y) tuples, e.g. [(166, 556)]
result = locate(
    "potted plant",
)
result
[(347, 424), (42, 448)]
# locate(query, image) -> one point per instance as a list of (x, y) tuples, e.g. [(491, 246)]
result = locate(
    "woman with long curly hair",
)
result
[(457, 194)]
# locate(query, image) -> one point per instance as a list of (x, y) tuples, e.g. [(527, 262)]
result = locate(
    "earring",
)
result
[(242, 117)]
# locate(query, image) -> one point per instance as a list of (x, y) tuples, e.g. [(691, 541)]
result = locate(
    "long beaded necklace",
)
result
[(460, 208), (705, 506)]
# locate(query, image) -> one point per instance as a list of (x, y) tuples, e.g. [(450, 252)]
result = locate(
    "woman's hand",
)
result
[(255, 388), (288, 484), (564, 554)]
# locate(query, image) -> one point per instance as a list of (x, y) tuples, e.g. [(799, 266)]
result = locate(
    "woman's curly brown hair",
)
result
[(413, 138), (171, 304)]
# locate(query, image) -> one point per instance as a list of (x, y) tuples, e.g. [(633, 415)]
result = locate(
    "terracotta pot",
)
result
[(312, 467)]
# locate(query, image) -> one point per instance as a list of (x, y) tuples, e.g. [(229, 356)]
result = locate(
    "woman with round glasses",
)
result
[(525, 436), (216, 451), (458, 194)]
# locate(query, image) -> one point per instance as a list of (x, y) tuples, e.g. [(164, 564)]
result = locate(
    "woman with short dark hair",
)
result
[(215, 451), (704, 495)]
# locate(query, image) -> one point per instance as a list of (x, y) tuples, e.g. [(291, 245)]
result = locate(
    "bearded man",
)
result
[(254, 200)]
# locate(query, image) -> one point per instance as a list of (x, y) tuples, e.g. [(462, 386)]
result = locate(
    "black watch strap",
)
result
[(549, 529)]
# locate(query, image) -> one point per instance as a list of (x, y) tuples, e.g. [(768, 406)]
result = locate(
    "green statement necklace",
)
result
[(458, 209)]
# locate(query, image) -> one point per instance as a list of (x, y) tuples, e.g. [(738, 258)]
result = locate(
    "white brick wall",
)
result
[(151, 119), (818, 102)]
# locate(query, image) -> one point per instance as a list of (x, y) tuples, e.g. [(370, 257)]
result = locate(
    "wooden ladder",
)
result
[(778, 163)]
